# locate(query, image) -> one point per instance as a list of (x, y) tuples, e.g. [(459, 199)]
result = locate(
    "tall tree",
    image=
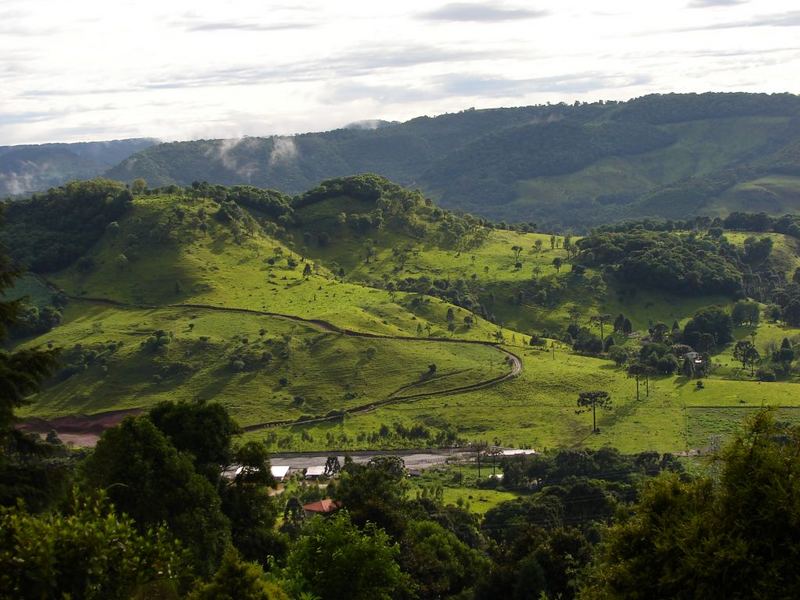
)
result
[(24, 473), (86, 552), (335, 560), (148, 479), (252, 511), (204, 430), (591, 401), (238, 580), (601, 319), (637, 370)]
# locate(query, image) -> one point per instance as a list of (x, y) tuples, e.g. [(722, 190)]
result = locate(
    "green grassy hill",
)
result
[(323, 317)]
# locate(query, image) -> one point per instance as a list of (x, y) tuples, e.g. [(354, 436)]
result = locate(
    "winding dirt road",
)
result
[(512, 360)]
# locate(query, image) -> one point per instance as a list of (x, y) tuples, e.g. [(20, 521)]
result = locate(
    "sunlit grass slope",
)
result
[(261, 368), (170, 250)]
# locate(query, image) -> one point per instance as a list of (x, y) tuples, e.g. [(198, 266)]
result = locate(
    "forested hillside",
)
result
[(568, 166), (32, 168)]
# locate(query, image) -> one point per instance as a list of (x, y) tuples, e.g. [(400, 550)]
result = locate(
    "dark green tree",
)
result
[(86, 552), (332, 466), (637, 370), (148, 479), (22, 371), (746, 313), (714, 322), (24, 473), (204, 430), (746, 352), (375, 492), (627, 326), (736, 537), (335, 560), (439, 564), (249, 507), (785, 354), (601, 319), (238, 580)]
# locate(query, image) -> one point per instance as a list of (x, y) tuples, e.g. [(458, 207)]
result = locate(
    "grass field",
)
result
[(774, 194), (457, 485), (168, 253), (322, 371), (538, 410)]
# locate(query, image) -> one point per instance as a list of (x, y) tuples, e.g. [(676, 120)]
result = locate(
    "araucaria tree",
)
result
[(22, 371), (591, 401), (746, 353)]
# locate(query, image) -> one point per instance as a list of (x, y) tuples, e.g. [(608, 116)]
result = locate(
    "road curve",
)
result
[(512, 359)]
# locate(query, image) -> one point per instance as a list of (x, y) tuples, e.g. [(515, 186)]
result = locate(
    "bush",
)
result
[(87, 553), (765, 374)]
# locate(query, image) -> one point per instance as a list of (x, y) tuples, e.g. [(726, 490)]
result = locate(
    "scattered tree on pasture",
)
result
[(590, 401)]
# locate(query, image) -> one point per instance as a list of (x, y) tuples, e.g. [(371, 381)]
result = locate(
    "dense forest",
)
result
[(670, 156), (673, 156)]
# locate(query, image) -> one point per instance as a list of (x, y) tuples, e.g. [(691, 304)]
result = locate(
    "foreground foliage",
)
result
[(736, 537), (86, 552)]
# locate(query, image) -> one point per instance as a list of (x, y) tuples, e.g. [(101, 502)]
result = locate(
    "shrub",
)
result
[(765, 374)]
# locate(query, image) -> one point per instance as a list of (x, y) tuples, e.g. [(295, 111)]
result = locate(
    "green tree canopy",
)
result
[(238, 580), (87, 552), (148, 479), (439, 563), (203, 429), (334, 560), (737, 537), (21, 372)]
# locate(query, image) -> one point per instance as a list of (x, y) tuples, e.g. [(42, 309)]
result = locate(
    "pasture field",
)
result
[(538, 410), (285, 369), (177, 305)]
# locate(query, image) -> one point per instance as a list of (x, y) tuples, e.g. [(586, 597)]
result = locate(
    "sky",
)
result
[(84, 70)]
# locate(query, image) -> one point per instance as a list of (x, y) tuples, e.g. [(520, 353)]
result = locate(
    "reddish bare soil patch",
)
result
[(79, 430)]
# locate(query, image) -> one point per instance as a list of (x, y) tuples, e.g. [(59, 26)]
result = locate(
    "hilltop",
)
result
[(359, 315), (565, 166)]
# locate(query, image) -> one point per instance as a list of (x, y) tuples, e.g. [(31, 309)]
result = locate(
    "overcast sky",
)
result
[(184, 69)]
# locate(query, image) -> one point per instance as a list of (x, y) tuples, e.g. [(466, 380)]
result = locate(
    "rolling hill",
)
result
[(361, 315), (565, 167)]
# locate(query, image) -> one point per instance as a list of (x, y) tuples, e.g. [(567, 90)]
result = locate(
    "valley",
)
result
[(365, 317)]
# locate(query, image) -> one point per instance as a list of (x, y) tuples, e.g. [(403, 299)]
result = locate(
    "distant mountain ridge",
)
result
[(562, 166), (36, 167), (569, 166)]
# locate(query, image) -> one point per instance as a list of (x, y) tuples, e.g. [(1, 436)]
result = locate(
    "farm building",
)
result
[(315, 472), (695, 357), (517, 451), (279, 472), (321, 507)]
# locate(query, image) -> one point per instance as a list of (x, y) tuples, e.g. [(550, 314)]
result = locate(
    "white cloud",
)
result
[(284, 150), (195, 68)]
